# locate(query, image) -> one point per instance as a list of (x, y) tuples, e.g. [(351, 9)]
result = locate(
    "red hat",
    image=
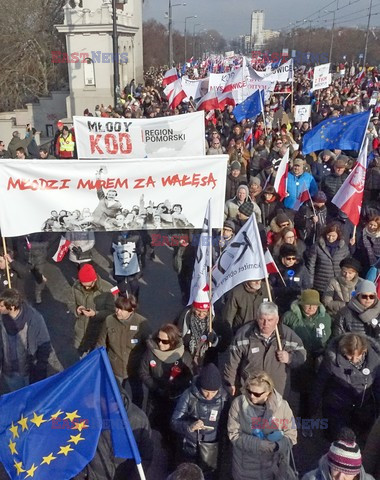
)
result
[(202, 299), (60, 123), (87, 274)]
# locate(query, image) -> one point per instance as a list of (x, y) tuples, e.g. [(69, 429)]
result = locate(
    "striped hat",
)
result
[(344, 455)]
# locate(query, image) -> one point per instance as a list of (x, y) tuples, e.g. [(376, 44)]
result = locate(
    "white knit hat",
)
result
[(202, 299)]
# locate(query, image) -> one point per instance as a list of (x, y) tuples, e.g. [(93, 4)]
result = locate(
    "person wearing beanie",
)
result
[(341, 288), (234, 180), (277, 224), (362, 313), (307, 317), (232, 206), (93, 303), (347, 385), (201, 416), (294, 275), (298, 181), (193, 324), (254, 188), (311, 218), (343, 461), (268, 203), (262, 431), (227, 235)]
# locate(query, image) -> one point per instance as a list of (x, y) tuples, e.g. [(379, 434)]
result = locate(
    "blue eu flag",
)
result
[(51, 428), (252, 106), (345, 133)]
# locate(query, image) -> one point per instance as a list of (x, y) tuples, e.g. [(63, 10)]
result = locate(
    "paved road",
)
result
[(160, 303)]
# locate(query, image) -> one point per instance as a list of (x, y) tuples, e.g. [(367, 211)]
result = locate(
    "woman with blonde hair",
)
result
[(262, 431)]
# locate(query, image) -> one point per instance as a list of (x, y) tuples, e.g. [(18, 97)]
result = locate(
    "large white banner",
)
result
[(322, 77), (195, 88), (241, 261), (283, 73), (91, 195), (241, 87), (117, 138)]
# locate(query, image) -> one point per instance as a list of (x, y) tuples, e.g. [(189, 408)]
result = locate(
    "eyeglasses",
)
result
[(290, 258), (161, 340), (255, 394), (367, 297)]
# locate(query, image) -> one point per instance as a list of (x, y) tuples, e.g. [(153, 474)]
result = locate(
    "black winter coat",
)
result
[(268, 210), (285, 294), (307, 230), (339, 384), (233, 183), (322, 266), (193, 406), (332, 183), (354, 318)]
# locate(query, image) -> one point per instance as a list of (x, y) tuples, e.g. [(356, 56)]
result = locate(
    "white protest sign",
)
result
[(322, 77), (302, 113)]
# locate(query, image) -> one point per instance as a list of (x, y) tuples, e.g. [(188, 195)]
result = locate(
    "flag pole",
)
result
[(6, 262), (123, 413), (262, 112), (263, 262), (210, 266)]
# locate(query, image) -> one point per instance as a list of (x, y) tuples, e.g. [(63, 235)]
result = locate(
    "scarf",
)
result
[(14, 325), (198, 329), (360, 363), (332, 247), (365, 315)]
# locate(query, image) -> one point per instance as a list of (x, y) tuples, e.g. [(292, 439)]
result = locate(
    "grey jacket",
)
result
[(249, 354)]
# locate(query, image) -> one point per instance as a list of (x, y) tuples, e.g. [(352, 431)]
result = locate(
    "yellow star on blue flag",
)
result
[(345, 133), (51, 429)]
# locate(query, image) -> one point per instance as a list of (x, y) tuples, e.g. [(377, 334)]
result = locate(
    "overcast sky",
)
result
[(232, 17)]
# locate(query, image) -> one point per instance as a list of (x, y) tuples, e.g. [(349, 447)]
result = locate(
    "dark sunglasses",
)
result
[(290, 258), (367, 297), (161, 340), (256, 394)]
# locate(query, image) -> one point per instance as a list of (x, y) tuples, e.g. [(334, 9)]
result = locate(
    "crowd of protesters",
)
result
[(235, 389)]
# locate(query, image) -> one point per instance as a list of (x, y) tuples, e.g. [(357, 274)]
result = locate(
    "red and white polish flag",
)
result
[(349, 198), (170, 77), (63, 248), (281, 180)]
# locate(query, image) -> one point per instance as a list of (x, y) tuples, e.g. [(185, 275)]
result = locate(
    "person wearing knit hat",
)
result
[(294, 275), (319, 197), (200, 413), (245, 210), (234, 180), (343, 461), (93, 303), (342, 287), (193, 323), (282, 220), (362, 313)]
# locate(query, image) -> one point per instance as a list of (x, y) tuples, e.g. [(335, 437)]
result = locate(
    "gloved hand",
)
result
[(275, 436), (212, 337)]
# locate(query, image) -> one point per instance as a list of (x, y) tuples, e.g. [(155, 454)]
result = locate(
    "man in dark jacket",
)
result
[(234, 179), (332, 183), (255, 349), (308, 221), (24, 342)]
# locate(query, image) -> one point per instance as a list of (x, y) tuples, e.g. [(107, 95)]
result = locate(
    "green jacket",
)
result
[(100, 299), (125, 343), (307, 328)]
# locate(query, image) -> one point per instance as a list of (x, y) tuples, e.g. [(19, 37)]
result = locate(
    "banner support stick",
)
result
[(6, 262)]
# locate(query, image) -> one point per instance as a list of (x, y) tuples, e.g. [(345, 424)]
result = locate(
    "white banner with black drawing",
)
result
[(116, 138), (91, 195)]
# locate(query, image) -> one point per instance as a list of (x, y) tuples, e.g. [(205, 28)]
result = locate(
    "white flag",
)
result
[(241, 261), (203, 259)]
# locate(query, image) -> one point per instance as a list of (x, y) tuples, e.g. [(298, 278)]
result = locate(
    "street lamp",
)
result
[(332, 33), (195, 25), (170, 29), (186, 19)]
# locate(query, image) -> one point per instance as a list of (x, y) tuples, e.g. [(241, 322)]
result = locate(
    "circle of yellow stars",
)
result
[(337, 137), (38, 420)]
